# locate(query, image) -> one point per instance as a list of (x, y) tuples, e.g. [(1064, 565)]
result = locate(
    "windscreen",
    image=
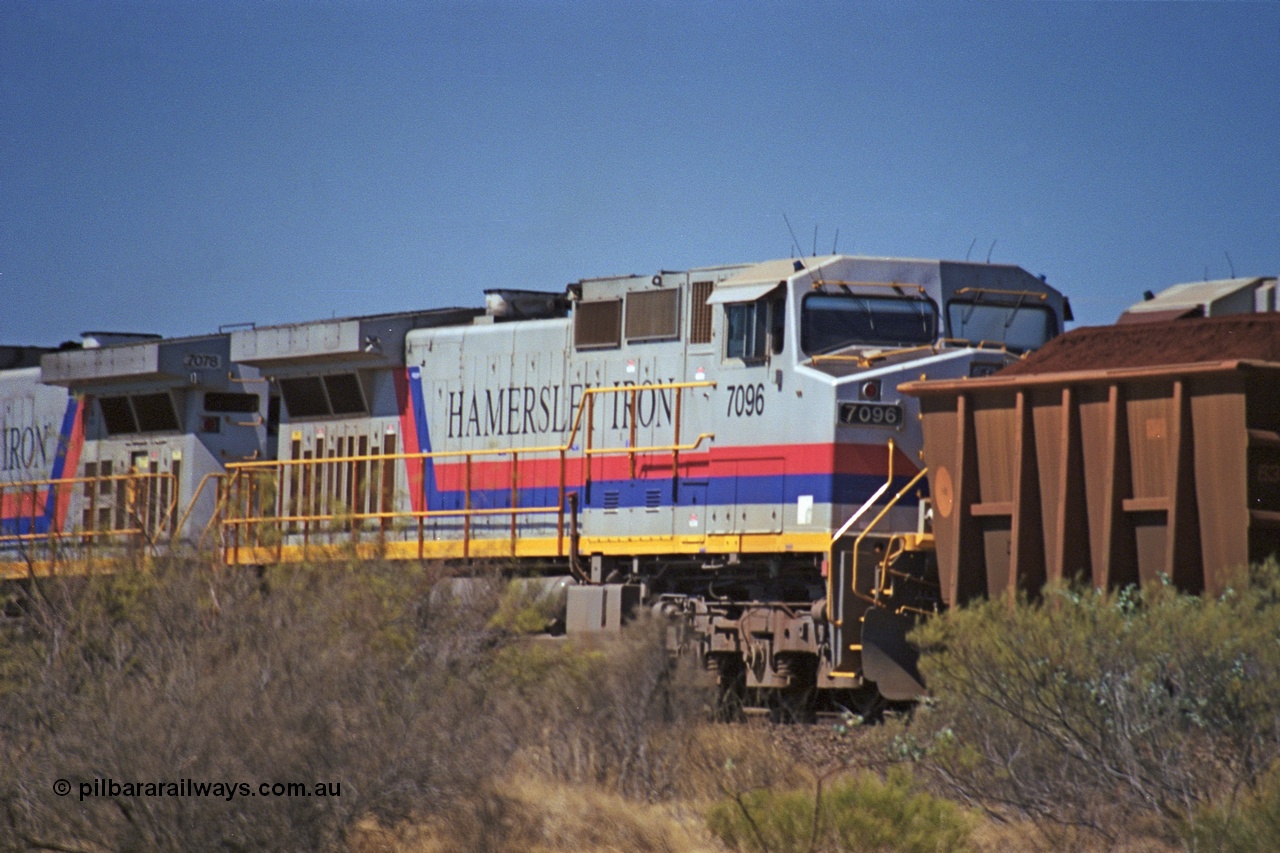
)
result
[(834, 321), (1018, 327)]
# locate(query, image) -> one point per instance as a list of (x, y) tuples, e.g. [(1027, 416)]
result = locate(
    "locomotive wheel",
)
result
[(798, 702), (794, 705), (731, 688), (866, 702)]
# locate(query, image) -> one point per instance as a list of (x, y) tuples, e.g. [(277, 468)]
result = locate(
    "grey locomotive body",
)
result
[(724, 443)]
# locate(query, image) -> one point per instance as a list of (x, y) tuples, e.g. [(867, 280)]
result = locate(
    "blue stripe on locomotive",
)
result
[(848, 489), (24, 525)]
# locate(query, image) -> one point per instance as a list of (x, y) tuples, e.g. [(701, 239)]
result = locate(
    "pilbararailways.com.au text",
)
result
[(191, 788)]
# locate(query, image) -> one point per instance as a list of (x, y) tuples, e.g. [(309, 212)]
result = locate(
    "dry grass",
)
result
[(449, 732), (533, 815), (572, 818), (991, 836)]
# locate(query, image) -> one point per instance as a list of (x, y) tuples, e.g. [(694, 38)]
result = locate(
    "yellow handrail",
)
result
[(72, 481), (583, 422), (78, 534), (844, 528), (821, 282), (191, 504), (57, 490), (890, 505), (26, 491), (865, 360), (1042, 296), (234, 467)]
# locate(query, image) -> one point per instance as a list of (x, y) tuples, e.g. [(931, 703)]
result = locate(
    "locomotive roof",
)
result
[(749, 281), (145, 360), (1198, 298), (17, 356), (758, 279), (943, 279), (376, 339), (422, 314)]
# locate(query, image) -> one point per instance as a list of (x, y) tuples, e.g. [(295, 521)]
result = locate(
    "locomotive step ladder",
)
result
[(868, 625)]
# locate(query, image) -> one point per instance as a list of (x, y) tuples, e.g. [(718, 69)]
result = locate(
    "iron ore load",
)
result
[(726, 445)]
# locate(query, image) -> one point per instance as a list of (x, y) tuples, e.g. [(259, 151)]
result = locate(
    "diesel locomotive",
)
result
[(726, 445)]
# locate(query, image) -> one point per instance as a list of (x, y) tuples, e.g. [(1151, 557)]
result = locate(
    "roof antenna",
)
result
[(973, 243), (794, 241), (834, 241), (815, 239), (799, 263), (1230, 265), (989, 251)]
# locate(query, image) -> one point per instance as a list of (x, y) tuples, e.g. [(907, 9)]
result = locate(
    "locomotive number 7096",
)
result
[(745, 400), (870, 414)]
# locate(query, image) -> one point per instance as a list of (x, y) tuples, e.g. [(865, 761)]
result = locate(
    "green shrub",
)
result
[(533, 670), (529, 606), (1105, 710), (1244, 825), (859, 813)]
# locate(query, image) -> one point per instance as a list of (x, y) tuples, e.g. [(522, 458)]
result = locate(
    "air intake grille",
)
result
[(653, 315), (700, 313), (597, 324)]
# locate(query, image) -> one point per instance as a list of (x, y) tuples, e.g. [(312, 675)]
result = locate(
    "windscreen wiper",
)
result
[(1014, 313)]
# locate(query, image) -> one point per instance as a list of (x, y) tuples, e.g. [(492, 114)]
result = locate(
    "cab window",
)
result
[(746, 330), (1017, 327), (835, 321)]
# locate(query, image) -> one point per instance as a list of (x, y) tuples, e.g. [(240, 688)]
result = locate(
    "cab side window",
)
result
[(753, 329), (746, 327), (777, 325)]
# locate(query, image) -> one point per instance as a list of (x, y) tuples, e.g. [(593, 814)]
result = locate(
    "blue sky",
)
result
[(176, 166)]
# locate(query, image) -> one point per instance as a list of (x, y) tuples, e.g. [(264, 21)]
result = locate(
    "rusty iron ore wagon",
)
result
[(1117, 454)]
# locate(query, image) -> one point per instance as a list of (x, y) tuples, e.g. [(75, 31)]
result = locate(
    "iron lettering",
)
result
[(24, 447), (652, 406)]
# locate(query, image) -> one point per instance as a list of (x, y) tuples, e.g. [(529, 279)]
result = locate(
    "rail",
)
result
[(191, 504), (262, 502)]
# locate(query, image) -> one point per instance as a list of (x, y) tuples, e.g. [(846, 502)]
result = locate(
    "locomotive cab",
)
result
[(825, 486)]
